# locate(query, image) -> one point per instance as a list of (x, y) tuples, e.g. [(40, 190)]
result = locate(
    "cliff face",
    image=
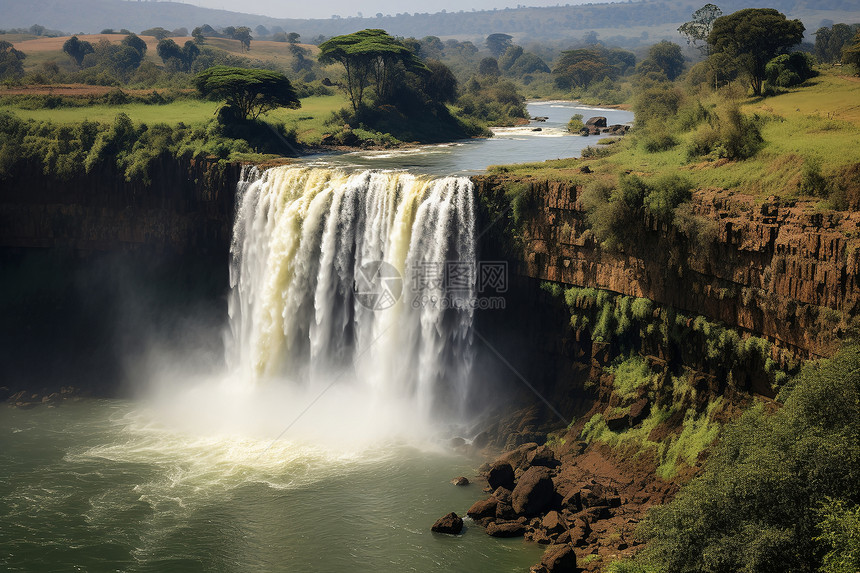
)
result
[(782, 271), (98, 270), (186, 208)]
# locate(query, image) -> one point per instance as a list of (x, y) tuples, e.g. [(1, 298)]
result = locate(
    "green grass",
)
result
[(817, 123), (309, 120), (188, 111)]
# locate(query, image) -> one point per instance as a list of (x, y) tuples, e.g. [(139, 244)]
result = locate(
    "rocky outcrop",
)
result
[(779, 269), (451, 524)]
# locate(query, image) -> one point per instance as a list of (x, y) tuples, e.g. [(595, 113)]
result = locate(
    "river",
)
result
[(311, 454)]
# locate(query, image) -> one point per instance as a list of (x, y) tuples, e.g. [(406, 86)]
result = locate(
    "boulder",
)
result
[(533, 492), (639, 411), (501, 474), (571, 501), (552, 522), (462, 480), (542, 456), (559, 558), (518, 456), (483, 509), (505, 511), (502, 494), (451, 523), (597, 121), (457, 442), (506, 529)]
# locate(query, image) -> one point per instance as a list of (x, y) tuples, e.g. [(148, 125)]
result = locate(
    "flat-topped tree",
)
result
[(753, 37), (369, 56), (250, 92)]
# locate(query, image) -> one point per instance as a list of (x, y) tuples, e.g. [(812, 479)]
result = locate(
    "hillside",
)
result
[(646, 20)]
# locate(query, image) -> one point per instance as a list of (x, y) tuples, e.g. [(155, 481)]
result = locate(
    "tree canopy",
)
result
[(10, 60), (180, 58), (753, 37), (851, 54), (77, 49), (778, 487), (665, 58), (699, 28), (369, 57), (498, 43), (250, 92)]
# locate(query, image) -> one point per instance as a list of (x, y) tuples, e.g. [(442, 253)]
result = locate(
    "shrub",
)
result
[(792, 69), (754, 507), (575, 123)]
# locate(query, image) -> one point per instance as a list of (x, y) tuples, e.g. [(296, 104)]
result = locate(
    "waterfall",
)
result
[(363, 278)]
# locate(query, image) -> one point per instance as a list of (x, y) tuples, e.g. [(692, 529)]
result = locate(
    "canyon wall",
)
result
[(780, 270), (98, 271)]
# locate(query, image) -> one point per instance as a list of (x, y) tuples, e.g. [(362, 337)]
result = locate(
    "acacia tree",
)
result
[(77, 49), (369, 56), (498, 43), (699, 28), (753, 37), (250, 92)]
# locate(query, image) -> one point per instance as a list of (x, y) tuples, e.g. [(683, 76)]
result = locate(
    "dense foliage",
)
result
[(370, 58), (781, 491), (753, 37), (248, 92)]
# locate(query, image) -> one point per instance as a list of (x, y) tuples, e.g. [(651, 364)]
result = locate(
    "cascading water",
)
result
[(305, 239)]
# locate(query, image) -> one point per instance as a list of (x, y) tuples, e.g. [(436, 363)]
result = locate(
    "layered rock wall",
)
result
[(783, 271)]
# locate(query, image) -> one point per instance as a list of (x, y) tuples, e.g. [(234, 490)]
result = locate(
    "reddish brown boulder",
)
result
[(506, 529), (558, 558), (451, 523), (542, 456), (552, 522), (501, 474), (533, 492), (462, 480), (482, 509)]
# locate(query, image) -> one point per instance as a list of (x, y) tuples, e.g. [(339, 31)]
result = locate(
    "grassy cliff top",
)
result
[(813, 127)]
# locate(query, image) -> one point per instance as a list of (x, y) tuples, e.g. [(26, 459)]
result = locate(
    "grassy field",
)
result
[(40, 50), (307, 120), (818, 124), (189, 111)]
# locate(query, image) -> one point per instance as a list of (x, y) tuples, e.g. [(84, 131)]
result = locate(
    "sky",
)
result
[(368, 8)]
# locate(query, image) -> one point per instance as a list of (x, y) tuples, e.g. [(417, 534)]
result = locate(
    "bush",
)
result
[(755, 506), (656, 142), (575, 123), (792, 69), (735, 136)]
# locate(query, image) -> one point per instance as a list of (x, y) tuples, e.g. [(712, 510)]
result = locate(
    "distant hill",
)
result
[(551, 23)]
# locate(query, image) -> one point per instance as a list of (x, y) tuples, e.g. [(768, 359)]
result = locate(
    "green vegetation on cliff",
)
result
[(780, 491)]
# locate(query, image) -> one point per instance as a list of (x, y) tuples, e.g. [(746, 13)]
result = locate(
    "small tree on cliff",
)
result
[(753, 37), (250, 92)]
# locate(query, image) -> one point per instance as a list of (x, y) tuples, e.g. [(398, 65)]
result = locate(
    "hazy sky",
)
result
[(369, 8)]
